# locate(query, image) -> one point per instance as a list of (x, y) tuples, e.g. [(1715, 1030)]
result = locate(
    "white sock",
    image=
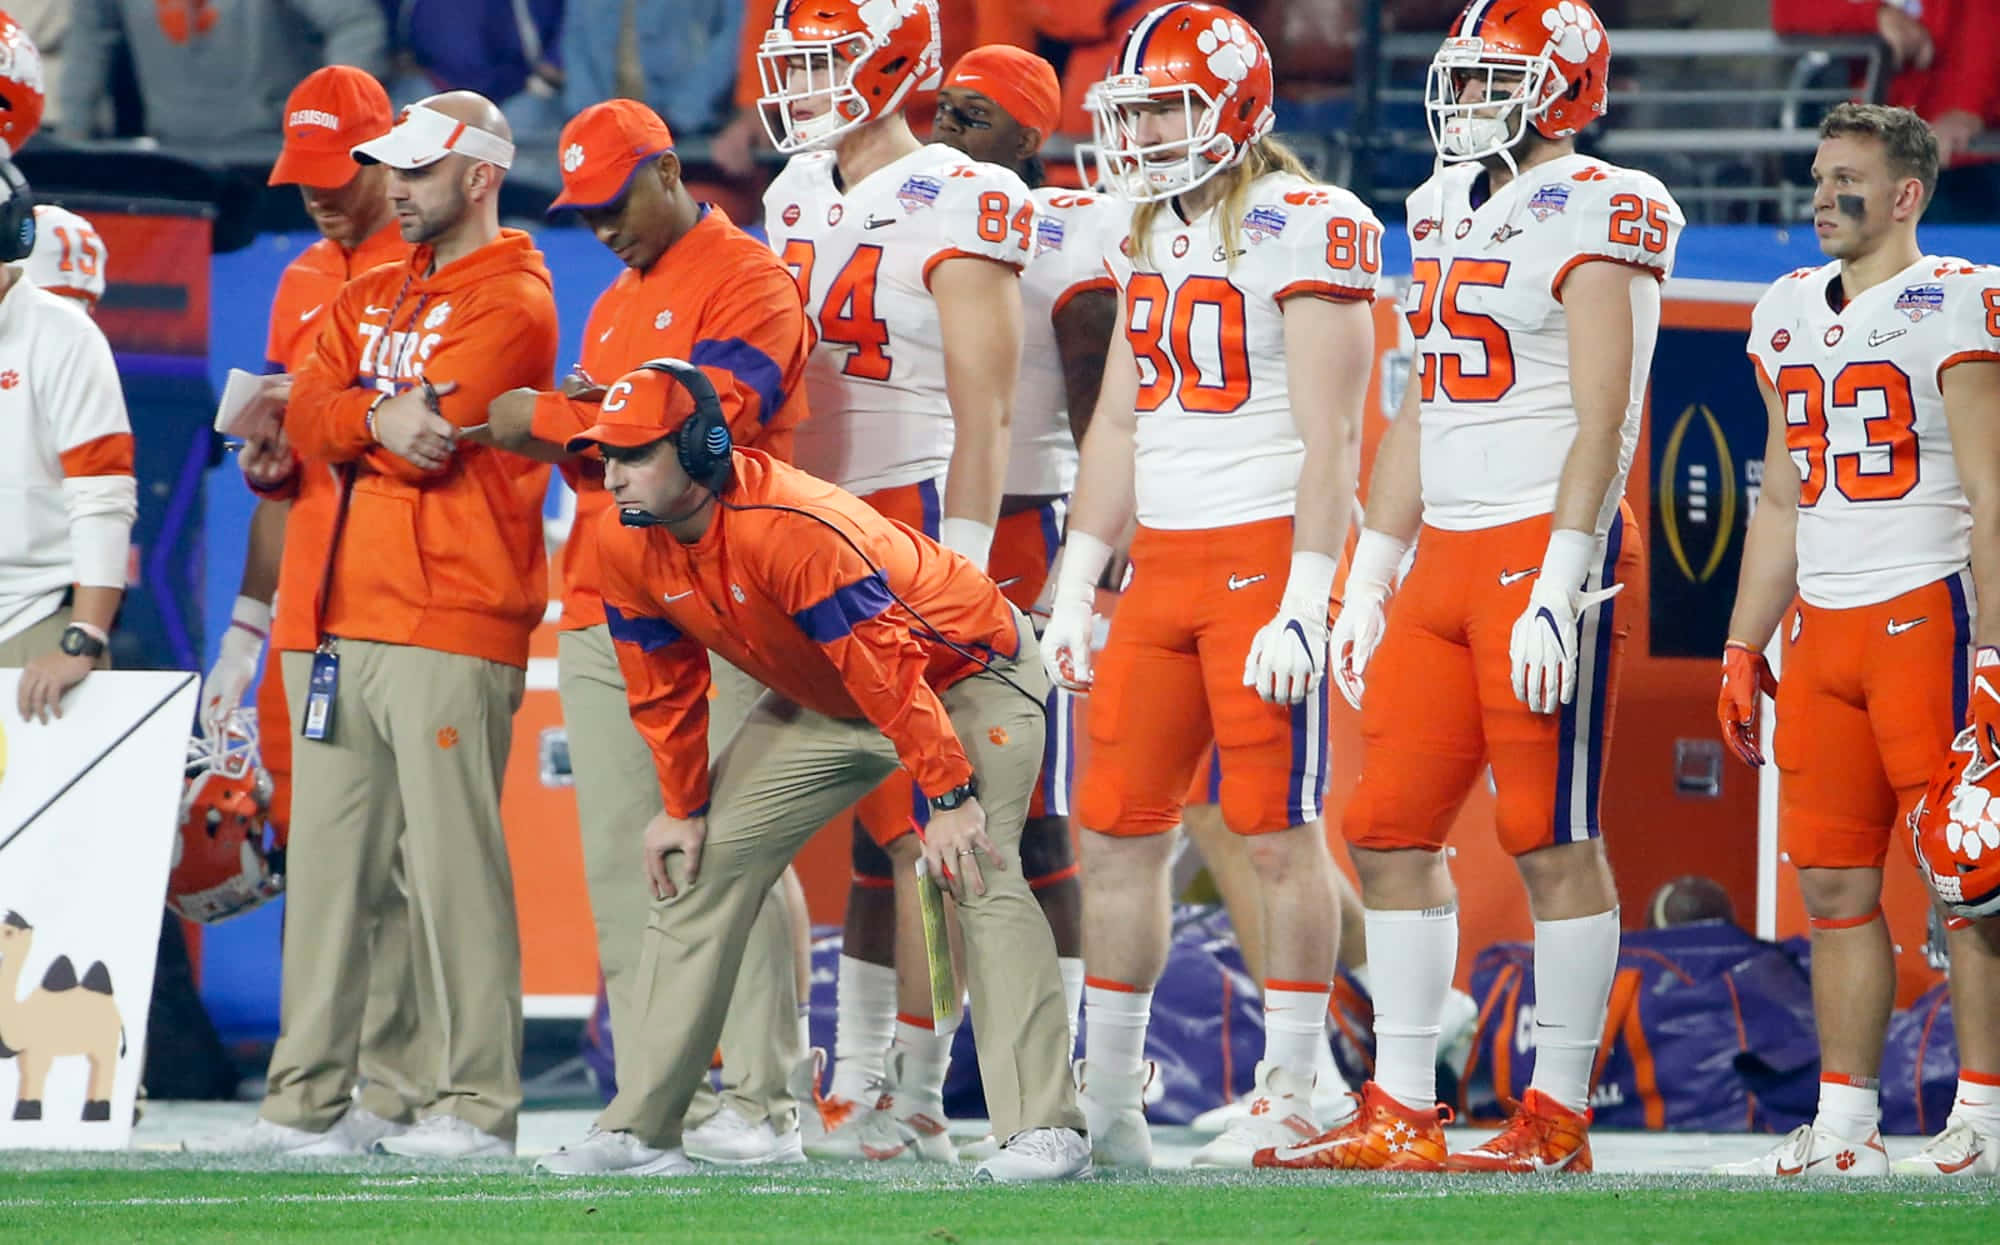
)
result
[(1848, 1106), (1071, 969), (863, 1026), (1328, 1083), (1417, 949), (1294, 1024), (1360, 974), (926, 1053), (1115, 1032), (1978, 1100), (1575, 961)]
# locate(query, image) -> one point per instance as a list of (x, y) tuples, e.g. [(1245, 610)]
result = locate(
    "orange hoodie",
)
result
[(452, 559)]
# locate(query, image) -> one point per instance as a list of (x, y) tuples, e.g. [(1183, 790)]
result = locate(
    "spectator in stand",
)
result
[(1943, 52), (675, 55), (505, 50), (213, 72)]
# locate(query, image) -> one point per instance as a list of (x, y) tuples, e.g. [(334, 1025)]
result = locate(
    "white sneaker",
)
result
[(364, 1128), (1331, 1107), (1960, 1150), (1038, 1154), (829, 1127), (614, 1154), (1114, 1112), (271, 1139), (1280, 1114), (907, 1124), (1812, 1152), (727, 1137), (445, 1137), (979, 1151)]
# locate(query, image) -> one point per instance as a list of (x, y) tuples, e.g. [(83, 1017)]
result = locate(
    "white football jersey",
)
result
[(875, 380), (1215, 445), (1881, 510), (1073, 235), (69, 257), (1492, 341)]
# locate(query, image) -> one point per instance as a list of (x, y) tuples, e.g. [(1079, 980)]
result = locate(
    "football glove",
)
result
[(1542, 649), (1746, 677), (1288, 655), (1985, 708), (1066, 637), (1359, 626), (236, 666)]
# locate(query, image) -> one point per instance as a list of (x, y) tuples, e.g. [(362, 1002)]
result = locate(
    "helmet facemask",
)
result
[(1497, 120), (829, 66), (1142, 172)]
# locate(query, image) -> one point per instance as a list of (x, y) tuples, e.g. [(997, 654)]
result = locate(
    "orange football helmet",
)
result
[(1955, 829), (1559, 50), (860, 60), (1207, 62), (220, 869), (23, 94)]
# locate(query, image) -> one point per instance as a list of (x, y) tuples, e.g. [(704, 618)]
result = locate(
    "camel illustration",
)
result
[(64, 1016)]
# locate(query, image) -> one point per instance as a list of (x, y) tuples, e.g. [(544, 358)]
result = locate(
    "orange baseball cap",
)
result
[(603, 146), (1022, 83), (644, 406), (325, 116)]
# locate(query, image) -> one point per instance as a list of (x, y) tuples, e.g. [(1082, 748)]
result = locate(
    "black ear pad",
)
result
[(17, 214), (702, 442)]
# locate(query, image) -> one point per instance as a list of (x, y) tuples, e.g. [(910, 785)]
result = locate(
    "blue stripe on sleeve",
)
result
[(835, 617), (650, 634), (748, 364)]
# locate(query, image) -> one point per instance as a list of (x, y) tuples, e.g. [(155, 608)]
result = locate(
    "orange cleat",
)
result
[(1384, 1135), (1542, 1136)]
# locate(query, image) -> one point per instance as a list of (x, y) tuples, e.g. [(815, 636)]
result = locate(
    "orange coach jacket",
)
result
[(723, 301), (310, 284), (789, 602), (452, 559)]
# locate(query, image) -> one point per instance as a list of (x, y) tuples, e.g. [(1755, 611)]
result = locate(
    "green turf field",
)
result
[(142, 1198)]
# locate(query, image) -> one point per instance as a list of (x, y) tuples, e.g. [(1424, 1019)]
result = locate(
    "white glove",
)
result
[(969, 537), (1066, 640), (1288, 656), (1542, 649), (1358, 628), (242, 645)]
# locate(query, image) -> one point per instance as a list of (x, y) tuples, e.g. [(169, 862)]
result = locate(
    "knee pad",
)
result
[(872, 866), (1047, 854)]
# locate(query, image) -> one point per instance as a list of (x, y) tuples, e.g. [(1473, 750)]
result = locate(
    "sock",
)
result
[(1978, 1100), (1575, 961), (1115, 1021), (863, 1026), (925, 1051), (1071, 968), (1328, 1084), (1360, 974), (1417, 949), (1294, 1024), (1849, 1106)]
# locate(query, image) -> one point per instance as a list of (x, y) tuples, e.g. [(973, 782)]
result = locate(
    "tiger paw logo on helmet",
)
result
[(1955, 831), (1971, 832), (1573, 31), (1229, 50)]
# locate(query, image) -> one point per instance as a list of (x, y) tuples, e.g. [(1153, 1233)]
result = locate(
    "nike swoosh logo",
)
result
[(1791, 1171), (874, 223), (1898, 628), (1984, 688), (1878, 337), (307, 315), (1952, 1169), (1008, 582), (373, 310), (678, 596), (1515, 577), (605, 336), (1236, 581)]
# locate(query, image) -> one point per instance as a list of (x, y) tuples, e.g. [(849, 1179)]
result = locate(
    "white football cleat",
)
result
[(1811, 1152), (445, 1137), (1960, 1150), (829, 1127), (614, 1154), (1280, 1114), (1038, 1154), (364, 1128), (727, 1137), (1115, 1114), (274, 1140), (907, 1125)]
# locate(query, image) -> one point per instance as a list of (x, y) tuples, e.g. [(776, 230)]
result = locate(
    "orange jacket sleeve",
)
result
[(844, 606), (326, 418), (755, 349), (666, 687)]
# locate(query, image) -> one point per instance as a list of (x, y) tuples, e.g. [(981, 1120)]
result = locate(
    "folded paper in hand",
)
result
[(251, 406)]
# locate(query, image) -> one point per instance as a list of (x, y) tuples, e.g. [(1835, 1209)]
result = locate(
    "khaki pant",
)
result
[(17, 650), (789, 770), (416, 760), (617, 793)]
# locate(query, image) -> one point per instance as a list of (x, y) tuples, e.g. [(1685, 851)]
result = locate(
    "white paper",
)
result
[(250, 409)]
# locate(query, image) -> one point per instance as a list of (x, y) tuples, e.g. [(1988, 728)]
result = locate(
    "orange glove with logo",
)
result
[(1745, 673), (1985, 708)]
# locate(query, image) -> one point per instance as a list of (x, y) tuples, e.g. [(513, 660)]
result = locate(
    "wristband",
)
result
[(368, 420), (1309, 586), (1376, 557), (1080, 564), (1566, 562), (969, 537), (252, 615)]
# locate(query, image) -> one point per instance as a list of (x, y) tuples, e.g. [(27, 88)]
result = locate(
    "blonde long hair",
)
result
[(1266, 155)]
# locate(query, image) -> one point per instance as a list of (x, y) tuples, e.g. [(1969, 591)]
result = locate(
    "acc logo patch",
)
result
[(790, 215), (1781, 339), (1697, 499), (1424, 228)]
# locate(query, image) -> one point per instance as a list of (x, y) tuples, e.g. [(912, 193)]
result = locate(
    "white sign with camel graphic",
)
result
[(87, 807)]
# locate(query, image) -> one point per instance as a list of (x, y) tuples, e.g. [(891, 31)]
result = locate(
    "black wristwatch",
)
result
[(80, 643), (955, 797)]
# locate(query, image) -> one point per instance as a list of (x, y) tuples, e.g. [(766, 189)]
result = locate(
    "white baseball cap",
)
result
[(423, 136)]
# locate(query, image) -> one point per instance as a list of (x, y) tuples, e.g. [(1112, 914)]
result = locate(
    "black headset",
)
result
[(702, 442), (17, 214)]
